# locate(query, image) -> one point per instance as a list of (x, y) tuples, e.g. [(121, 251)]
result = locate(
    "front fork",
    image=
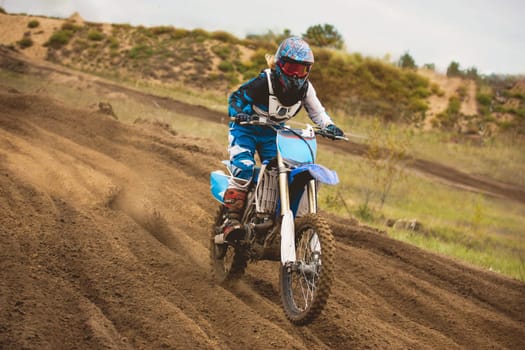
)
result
[(284, 194), (287, 223), (311, 189), (283, 185), (312, 196)]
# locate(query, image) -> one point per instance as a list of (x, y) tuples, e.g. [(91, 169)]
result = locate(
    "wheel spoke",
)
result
[(305, 281), (306, 288)]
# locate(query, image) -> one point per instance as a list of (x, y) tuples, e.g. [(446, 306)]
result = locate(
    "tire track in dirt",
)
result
[(110, 276), (103, 244)]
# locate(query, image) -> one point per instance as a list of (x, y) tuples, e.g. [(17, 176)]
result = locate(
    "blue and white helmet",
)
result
[(293, 61)]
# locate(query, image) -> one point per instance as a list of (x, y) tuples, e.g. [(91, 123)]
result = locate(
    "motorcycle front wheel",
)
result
[(305, 285), (228, 262)]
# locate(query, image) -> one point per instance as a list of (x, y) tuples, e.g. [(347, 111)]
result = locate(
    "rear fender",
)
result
[(219, 181)]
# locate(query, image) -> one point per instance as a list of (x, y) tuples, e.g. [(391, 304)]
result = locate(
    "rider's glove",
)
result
[(242, 118), (334, 130)]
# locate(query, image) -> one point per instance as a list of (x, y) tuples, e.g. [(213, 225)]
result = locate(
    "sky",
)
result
[(486, 34)]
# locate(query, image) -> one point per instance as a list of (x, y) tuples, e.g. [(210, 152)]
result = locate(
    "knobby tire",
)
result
[(228, 262), (297, 309)]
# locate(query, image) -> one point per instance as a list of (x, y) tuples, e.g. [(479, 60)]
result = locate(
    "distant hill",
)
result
[(219, 61)]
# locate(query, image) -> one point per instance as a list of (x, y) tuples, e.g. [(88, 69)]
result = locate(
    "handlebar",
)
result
[(265, 121), (324, 133)]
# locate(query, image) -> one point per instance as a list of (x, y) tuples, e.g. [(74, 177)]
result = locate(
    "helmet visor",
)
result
[(294, 69)]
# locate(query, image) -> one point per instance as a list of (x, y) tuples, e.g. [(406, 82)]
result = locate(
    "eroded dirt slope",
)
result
[(103, 244)]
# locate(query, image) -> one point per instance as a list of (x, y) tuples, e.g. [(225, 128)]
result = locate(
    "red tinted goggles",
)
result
[(294, 69)]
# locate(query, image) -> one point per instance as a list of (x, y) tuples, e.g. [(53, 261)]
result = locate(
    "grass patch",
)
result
[(480, 230), (500, 157), (505, 261)]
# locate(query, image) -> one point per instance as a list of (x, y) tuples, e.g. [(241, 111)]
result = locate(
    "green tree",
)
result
[(472, 73), (453, 69), (324, 36), (407, 62)]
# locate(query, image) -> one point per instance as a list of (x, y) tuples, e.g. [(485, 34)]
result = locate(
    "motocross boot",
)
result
[(234, 200)]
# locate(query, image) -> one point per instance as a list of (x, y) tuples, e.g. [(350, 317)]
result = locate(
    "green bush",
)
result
[(59, 39), (95, 35), (417, 104), (33, 23), (226, 66), (359, 85), (25, 42), (422, 91), (113, 43), (451, 115), (436, 90), (223, 51), (70, 26), (200, 35), (140, 51), (454, 105), (2, 10), (179, 33), (161, 30), (224, 37), (484, 99)]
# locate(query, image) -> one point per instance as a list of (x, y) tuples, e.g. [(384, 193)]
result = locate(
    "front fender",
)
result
[(301, 175), (317, 172)]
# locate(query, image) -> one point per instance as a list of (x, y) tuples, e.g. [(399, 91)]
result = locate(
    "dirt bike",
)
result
[(281, 222)]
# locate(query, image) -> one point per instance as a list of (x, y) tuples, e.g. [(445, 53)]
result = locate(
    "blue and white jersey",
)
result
[(262, 95)]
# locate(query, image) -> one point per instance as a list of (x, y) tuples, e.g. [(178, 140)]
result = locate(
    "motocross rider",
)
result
[(278, 92)]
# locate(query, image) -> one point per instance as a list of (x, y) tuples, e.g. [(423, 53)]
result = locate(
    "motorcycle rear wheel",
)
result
[(228, 262), (305, 288)]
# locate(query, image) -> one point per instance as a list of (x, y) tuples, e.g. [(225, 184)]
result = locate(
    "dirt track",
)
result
[(103, 244)]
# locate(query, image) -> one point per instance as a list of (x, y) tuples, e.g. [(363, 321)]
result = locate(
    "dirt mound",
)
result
[(449, 86), (15, 27), (103, 244)]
